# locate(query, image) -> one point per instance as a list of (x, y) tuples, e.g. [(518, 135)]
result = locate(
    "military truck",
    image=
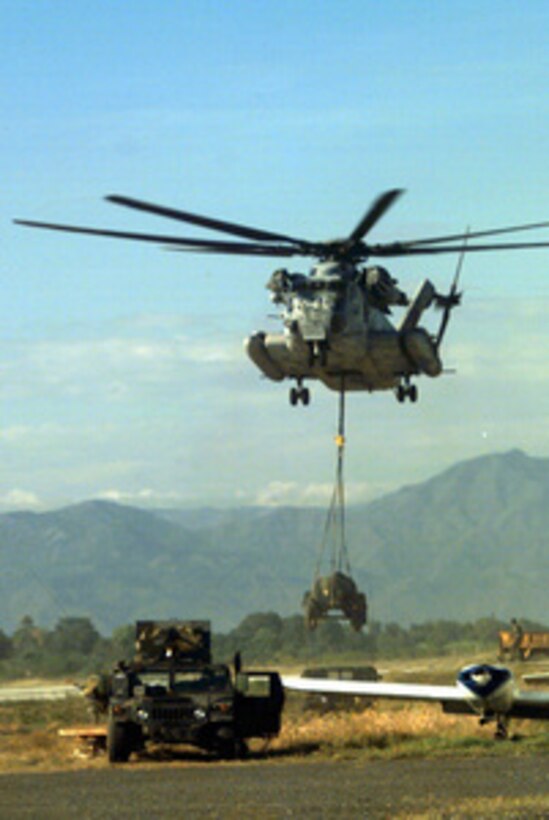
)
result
[(521, 645), (172, 692)]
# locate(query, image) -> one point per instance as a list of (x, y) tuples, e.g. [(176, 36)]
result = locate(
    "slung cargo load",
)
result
[(335, 595)]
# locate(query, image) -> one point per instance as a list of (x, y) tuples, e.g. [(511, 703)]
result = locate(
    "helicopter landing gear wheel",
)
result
[(406, 391), (300, 394)]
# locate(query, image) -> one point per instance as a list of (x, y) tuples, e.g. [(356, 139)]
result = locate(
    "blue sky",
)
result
[(121, 366)]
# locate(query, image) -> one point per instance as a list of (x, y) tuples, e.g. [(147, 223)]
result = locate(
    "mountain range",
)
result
[(471, 541)]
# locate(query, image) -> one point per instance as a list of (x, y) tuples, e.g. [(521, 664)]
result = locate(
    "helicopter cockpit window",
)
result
[(279, 280), (282, 283)]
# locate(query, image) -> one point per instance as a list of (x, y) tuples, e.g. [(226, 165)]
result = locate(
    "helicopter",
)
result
[(336, 325)]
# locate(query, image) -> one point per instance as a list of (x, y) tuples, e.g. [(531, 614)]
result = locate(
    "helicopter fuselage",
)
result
[(336, 331), (335, 325)]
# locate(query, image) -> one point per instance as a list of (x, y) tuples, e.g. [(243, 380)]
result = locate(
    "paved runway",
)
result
[(270, 789)]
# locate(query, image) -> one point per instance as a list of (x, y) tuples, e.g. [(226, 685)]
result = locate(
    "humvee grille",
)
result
[(171, 712)]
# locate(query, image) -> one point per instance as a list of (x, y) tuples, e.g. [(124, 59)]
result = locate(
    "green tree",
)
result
[(73, 635), (123, 643), (331, 636), (293, 635), (6, 646), (248, 628), (28, 640)]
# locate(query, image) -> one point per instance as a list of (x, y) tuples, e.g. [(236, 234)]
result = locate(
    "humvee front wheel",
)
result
[(118, 742), (234, 749), (240, 748)]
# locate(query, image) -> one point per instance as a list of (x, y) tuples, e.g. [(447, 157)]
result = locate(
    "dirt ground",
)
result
[(281, 788)]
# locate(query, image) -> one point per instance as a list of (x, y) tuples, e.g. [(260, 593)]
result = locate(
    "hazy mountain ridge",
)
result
[(468, 542)]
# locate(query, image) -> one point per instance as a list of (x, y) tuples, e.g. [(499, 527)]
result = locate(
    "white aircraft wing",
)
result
[(531, 705), (453, 699), (375, 689)]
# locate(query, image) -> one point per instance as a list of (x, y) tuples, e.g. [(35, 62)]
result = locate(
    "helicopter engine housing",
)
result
[(418, 346), (256, 349)]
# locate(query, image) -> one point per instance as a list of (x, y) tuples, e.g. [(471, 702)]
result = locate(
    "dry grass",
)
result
[(38, 749), (29, 736), (482, 807), (391, 730)]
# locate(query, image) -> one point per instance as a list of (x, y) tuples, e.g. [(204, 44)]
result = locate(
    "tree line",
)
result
[(75, 647)]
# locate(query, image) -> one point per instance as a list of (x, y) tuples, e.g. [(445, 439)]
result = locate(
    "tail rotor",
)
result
[(452, 299)]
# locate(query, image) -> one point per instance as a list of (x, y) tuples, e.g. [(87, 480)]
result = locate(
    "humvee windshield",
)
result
[(200, 680), (157, 681)]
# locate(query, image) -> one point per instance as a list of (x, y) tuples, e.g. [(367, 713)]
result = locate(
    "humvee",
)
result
[(172, 692), (335, 592)]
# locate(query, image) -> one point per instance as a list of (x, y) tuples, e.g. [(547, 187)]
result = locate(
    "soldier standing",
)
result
[(517, 632)]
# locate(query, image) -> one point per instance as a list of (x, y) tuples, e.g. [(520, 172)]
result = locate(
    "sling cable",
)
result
[(335, 596)]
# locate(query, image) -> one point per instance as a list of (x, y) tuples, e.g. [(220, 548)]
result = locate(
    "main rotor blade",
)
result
[(476, 234), (236, 248), (180, 243), (402, 249), (203, 221), (459, 266), (375, 212)]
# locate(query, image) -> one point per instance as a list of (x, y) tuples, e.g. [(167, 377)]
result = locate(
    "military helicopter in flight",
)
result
[(335, 319)]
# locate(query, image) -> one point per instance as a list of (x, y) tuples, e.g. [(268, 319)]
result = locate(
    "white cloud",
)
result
[(291, 493), (117, 354), (144, 497), (15, 434), (517, 358), (154, 415), (115, 366), (17, 499)]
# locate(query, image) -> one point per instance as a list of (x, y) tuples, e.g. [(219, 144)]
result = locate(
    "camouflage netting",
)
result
[(158, 641)]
